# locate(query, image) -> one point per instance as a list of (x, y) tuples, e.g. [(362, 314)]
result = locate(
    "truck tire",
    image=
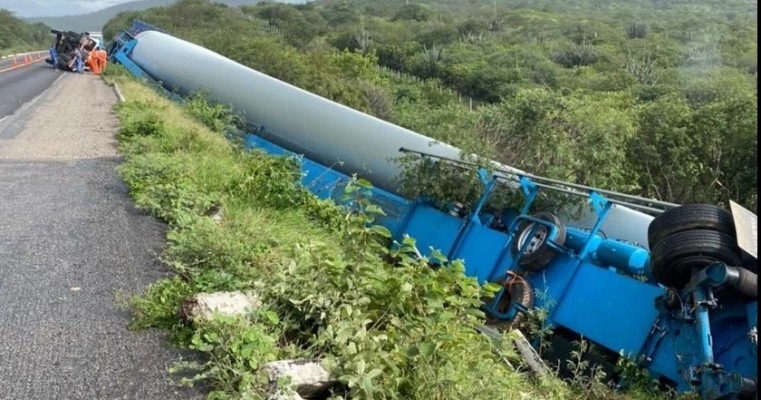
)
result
[(517, 291), (675, 257), (688, 217), (539, 253)]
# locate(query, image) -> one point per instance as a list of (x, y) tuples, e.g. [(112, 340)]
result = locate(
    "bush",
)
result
[(140, 119), (636, 30), (413, 12), (216, 117), (579, 55)]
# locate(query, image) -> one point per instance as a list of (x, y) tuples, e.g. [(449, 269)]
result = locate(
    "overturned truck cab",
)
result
[(70, 50)]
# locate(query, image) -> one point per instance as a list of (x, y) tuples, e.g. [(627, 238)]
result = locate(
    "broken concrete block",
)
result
[(203, 306), (307, 378)]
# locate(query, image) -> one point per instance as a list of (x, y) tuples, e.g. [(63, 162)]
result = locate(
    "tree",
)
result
[(673, 161), (298, 27), (413, 12)]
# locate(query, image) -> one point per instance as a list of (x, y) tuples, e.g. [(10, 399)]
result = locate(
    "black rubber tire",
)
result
[(538, 259), (519, 291), (675, 257), (688, 217)]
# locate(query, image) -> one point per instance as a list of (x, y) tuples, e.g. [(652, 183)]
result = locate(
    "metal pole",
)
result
[(619, 202), (568, 184)]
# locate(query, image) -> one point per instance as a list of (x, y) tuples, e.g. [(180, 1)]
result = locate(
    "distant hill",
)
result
[(17, 35), (94, 21)]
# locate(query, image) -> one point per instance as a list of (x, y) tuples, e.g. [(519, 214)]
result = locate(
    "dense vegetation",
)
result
[(649, 97), (382, 321), (17, 35)]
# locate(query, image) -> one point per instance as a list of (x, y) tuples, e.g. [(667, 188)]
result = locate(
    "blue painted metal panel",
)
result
[(730, 329), (253, 141), (324, 182), (140, 26), (570, 289), (480, 250), (734, 349), (622, 308), (664, 360), (320, 180), (551, 283), (432, 229)]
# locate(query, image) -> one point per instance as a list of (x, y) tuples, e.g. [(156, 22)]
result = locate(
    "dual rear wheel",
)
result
[(690, 237)]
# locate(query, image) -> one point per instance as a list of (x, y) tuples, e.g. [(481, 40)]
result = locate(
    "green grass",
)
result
[(384, 322)]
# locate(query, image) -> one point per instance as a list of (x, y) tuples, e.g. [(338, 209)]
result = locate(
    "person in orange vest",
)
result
[(102, 59), (92, 62)]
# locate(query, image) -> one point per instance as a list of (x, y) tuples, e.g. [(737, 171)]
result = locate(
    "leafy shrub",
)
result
[(271, 181), (413, 12), (443, 183), (236, 348), (159, 306), (159, 183), (140, 119), (217, 117)]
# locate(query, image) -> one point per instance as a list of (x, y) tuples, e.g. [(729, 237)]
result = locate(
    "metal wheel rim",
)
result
[(536, 241)]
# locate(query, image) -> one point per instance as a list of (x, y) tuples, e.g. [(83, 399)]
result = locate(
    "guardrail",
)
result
[(15, 61)]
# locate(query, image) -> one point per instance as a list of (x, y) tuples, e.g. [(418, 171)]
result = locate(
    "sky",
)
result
[(56, 8)]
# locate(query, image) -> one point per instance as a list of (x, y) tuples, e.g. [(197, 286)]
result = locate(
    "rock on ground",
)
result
[(203, 306), (307, 378)]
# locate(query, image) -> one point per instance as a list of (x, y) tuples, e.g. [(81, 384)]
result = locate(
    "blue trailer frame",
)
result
[(699, 338), (590, 275)]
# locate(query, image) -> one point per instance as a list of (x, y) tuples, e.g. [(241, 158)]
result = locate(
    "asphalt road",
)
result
[(21, 85), (71, 243)]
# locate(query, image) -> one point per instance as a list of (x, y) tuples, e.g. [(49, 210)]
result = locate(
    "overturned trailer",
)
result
[(669, 287)]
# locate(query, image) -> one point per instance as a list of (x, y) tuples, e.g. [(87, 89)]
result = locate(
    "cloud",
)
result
[(59, 8), (56, 8)]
